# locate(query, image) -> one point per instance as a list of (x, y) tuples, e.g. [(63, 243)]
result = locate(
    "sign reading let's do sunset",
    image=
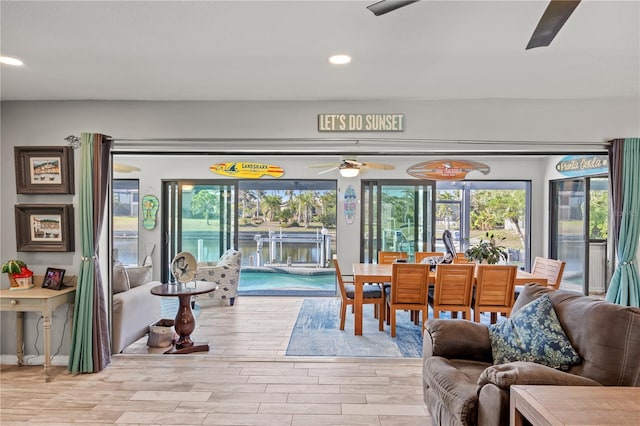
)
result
[(360, 122)]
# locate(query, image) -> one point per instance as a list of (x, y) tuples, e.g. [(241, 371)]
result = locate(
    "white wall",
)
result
[(48, 123)]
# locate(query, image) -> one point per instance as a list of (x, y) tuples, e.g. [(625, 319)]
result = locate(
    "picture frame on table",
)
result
[(53, 279), (44, 227), (44, 170)]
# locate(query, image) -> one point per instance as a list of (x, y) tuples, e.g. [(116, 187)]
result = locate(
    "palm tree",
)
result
[(271, 205)]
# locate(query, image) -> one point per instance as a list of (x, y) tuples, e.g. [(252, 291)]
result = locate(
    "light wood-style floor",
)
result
[(245, 379)]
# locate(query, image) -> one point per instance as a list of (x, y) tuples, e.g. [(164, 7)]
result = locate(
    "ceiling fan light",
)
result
[(349, 172), (339, 59)]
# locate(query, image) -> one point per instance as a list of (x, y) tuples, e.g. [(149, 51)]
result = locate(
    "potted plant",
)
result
[(19, 275), (487, 251)]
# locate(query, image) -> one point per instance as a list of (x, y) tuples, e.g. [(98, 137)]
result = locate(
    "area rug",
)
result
[(317, 333)]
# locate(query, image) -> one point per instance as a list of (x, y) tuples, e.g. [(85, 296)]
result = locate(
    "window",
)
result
[(125, 221)]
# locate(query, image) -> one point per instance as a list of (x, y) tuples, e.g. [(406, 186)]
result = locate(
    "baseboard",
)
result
[(59, 360)]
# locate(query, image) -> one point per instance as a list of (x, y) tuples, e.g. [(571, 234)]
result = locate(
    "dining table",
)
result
[(381, 273)]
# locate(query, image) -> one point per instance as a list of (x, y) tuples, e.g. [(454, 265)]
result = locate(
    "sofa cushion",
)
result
[(120, 280), (532, 334), (139, 275), (529, 373)]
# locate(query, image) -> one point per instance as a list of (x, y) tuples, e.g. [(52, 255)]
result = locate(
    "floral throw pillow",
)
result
[(533, 334)]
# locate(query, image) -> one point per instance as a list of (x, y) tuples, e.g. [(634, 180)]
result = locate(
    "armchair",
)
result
[(462, 386), (225, 272)]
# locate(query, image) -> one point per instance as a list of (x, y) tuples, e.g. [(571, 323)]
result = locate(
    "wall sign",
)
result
[(446, 169), (350, 204), (583, 165), (247, 170), (361, 122)]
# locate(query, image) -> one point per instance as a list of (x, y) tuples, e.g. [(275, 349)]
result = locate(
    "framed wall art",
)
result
[(44, 170), (44, 227)]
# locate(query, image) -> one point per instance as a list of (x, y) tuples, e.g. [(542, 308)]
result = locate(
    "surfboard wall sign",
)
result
[(446, 169), (350, 204), (583, 165), (247, 170)]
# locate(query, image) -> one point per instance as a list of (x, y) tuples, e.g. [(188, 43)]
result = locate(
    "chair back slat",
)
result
[(552, 269), (419, 255), (388, 257), (341, 284), (409, 284), (453, 286)]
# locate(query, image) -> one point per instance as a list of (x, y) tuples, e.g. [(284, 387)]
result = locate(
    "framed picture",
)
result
[(53, 278), (44, 170), (44, 227)]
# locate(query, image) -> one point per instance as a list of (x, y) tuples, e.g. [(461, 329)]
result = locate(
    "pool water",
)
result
[(277, 283)]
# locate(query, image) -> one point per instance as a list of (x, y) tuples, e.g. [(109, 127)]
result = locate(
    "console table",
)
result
[(185, 322), (574, 405), (36, 299)]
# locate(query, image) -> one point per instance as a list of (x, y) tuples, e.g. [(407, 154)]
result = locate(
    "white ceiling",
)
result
[(278, 50)]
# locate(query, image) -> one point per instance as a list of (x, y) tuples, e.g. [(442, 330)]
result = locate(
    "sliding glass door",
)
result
[(397, 216), (579, 231), (199, 217)]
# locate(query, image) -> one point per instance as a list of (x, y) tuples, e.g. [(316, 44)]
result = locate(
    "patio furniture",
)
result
[(453, 290), (550, 268), (372, 294), (495, 290), (420, 255), (463, 386)]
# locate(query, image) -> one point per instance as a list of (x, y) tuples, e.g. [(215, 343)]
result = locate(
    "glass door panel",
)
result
[(397, 216), (568, 224), (200, 220)]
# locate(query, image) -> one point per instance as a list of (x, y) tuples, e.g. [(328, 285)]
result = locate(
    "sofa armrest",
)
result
[(529, 373), (133, 311), (457, 339)]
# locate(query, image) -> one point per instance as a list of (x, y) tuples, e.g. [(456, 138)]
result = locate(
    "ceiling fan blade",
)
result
[(328, 170), (353, 162), (319, 166), (379, 166), (554, 17), (385, 6), (125, 168)]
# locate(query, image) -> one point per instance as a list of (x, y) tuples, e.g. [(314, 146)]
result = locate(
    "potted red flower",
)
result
[(20, 277)]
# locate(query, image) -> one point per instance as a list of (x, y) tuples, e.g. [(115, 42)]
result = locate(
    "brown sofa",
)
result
[(463, 387)]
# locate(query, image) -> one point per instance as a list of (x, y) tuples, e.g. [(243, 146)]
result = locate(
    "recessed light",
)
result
[(10, 61), (340, 59)]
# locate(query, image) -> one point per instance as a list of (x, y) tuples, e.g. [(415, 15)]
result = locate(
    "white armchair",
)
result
[(225, 272)]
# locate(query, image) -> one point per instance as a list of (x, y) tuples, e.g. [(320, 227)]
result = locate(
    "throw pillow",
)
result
[(120, 280), (139, 275), (533, 334)]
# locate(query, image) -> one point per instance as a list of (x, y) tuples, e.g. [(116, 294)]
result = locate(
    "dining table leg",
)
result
[(357, 314)]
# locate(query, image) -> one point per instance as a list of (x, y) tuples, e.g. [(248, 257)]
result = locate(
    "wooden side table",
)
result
[(185, 322), (574, 405), (35, 299)]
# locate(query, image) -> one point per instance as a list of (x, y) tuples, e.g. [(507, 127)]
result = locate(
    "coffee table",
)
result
[(185, 322)]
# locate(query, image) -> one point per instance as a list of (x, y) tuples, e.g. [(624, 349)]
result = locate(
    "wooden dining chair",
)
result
[(461, 258), (387, 257), (419, 255), (408, 291), (371, 294), (494, 291), (453, 289), (550, 268)]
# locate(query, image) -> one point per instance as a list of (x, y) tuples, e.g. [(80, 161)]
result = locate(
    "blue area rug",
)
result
[(317, 333)]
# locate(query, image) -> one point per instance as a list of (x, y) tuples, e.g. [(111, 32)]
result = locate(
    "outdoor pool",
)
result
[(286, 284)]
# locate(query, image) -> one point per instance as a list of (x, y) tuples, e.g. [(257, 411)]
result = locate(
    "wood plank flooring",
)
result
[(245, 379)]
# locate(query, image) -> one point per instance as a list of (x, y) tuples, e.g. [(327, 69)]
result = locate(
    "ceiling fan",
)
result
[(350, 167), (554, 17)]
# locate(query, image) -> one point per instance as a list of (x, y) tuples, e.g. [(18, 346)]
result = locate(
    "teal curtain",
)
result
[(90, 350), (624, 288)]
